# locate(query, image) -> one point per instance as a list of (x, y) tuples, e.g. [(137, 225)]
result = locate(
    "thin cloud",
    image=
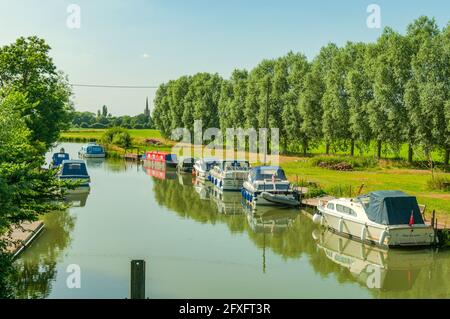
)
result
[(145, 56)]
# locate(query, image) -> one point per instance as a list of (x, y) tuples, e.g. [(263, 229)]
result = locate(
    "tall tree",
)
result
[(334, 101), (359, 92), (297, 68), (27, 67), (388, 66)]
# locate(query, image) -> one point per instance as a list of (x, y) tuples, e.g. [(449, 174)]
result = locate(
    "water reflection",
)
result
[(286, 232), (180, 223), (374, 267), (37, 269), (270, 220), (78, 198)]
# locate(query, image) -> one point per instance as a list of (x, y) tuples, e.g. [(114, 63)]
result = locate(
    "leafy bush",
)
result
[(117, 136), (314, 192), (343, 162), (439, 183), (342, 191)]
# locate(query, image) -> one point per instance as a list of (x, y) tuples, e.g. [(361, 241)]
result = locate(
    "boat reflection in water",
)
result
[(202, 188), (77, 199), (373, 266), (92, 162), (270, 220), (161, 174), (228, 203)]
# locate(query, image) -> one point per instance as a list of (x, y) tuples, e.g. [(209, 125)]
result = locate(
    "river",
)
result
[(198, 243)]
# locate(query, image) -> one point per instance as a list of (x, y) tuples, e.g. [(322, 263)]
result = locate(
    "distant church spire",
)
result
[(147, 110)]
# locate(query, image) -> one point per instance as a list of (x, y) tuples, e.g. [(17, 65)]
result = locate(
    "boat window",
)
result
[(345, 210), (265, 187), (282, 187), (330, 206), (269, 172), (74, 169), (95, 149)]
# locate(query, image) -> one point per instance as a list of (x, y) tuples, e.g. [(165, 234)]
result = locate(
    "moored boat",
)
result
[(268, 186), (58, 158), (203, 167), (185, 165), (230, 175), (385, 218), (160, 159), (75, 170), (92, 150)]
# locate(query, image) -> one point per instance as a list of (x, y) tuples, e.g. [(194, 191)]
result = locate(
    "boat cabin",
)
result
[(92, 150), (74, 170), (269, 178), (58, 158)]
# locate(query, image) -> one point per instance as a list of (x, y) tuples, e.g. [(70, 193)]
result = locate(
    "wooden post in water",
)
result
[(137, 279)]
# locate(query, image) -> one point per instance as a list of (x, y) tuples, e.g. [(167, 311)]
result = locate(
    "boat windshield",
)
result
[(72, 169), (95, 149), (236, 165), (268, 173)]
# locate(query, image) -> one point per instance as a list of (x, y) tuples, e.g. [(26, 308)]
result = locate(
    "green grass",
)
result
[(414, 182), (387, 152), (97, 134)]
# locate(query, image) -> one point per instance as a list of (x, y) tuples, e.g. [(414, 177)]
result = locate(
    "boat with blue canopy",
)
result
[(92, 150), (268, 186)]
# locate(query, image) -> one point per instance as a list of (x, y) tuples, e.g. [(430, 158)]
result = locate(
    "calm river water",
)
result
[(200, 244)]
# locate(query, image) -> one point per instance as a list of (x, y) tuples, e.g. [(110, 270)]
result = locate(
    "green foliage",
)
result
[(25, 188), (354, 162), (394, 91), (314, 192), (117, 136), (26, 67), (439, 183), (100, 120)]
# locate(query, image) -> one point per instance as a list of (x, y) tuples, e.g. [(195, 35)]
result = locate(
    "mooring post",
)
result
[(137, 279)]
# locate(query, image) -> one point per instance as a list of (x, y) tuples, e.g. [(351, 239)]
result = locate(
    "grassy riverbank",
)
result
[(388, 174)]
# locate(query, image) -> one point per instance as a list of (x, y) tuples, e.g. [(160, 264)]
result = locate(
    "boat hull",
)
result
[(256, 199), (87, 155), (227, 184), (382, 235)]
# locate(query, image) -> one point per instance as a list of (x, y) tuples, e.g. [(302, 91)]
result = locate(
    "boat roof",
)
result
[(74, 161), (260, 168), (391, 207)]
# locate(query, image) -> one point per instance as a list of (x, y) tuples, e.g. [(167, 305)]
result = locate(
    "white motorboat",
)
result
[(203, 166), (385, 218), (92, 150), (268, 186), (230, 175)]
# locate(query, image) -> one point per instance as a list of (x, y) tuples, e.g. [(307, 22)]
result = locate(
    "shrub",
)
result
[(343, 162), (117, 136), (439, 183), (314, 192)]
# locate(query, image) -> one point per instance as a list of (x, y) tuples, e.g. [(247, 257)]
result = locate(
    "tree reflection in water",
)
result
[(288, 233), (36, 269)]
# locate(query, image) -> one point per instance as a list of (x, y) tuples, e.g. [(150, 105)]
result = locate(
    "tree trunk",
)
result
[(327, 148), (410, 153), (379, 149), (305, 148), (352, 149), (447, 157)]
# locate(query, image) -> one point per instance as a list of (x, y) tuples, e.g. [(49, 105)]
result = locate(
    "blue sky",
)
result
[(141, 42)]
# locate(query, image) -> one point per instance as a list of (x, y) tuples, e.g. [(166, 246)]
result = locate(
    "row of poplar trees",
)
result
[(393, 92)]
